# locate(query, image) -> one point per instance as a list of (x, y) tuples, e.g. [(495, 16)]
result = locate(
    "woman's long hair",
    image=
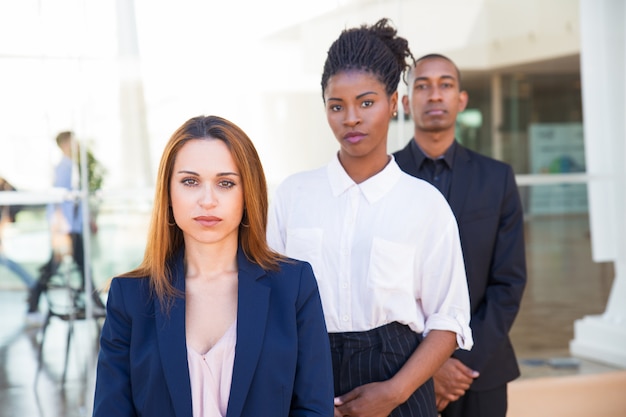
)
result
[(165, 238)]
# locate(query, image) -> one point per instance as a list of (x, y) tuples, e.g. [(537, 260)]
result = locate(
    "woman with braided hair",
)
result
[(384, 246)]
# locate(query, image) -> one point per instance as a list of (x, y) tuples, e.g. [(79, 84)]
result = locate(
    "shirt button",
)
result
[(346, 318), (344, 285)]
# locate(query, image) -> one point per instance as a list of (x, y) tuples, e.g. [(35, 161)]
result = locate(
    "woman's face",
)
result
[(206, 193), (358, 111)]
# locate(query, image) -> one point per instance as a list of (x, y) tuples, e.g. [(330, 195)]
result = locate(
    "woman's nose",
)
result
[(207, 197), (352, 118)]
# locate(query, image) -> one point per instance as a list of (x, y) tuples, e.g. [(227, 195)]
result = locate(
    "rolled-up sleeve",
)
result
[(444, 292)]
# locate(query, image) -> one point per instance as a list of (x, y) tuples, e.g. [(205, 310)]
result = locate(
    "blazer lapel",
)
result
[(406, 159), (252, 310), (461, 180), (172, 341)]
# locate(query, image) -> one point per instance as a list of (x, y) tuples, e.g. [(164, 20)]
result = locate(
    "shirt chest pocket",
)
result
[(391, 266)]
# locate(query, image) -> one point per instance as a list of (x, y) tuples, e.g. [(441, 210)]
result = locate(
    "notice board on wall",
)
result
[(557, 148)]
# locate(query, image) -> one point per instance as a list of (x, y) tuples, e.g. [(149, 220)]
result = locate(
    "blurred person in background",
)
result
[(7, 215), (66, 223)]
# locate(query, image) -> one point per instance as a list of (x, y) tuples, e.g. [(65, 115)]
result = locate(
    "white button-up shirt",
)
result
[(384, 250)]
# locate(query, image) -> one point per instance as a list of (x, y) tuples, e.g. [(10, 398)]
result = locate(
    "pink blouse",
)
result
[(210, 375)]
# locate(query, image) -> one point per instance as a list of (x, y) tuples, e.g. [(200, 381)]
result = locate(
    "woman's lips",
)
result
[(354, 137), (208, 220)]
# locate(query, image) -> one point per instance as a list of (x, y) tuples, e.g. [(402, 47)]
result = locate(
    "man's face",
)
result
[(434, 97)]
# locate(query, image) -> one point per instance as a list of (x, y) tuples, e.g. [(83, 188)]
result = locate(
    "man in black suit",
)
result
[(485, 200)]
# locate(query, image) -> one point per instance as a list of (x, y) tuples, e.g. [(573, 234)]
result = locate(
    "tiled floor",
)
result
[(26, 392), (564, 285)]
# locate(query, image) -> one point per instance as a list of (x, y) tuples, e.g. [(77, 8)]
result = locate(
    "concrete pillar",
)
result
[(603, 70), (135, 148)]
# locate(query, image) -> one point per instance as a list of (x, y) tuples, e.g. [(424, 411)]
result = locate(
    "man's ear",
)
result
[(406, 105), (463, 99)]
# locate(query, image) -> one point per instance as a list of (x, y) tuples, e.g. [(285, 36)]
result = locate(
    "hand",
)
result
[(451, 381), (376, 399), (442, 403)]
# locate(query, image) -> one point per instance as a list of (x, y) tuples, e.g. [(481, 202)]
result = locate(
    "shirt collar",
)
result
[(419, 155), (373, 188)]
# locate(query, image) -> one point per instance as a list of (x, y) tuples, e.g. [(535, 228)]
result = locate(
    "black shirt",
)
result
[(438, 171)]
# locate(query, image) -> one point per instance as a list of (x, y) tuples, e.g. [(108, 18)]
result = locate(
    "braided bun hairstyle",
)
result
[(374, 49)]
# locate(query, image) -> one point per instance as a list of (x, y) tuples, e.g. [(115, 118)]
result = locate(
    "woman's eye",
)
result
[(335, 108), (189, 181), (226, 184), (367, 103)]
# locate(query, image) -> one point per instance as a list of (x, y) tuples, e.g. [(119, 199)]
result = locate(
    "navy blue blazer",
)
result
[(282, 356), (485, 200)]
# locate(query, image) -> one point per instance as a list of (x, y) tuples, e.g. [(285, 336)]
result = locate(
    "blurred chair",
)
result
[(66, 302)]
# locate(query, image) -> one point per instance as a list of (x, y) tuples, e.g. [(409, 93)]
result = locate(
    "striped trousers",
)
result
[(376, 355)]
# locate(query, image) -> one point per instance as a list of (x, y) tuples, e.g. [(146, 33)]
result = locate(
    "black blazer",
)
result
[(485, 200), (282, 356)]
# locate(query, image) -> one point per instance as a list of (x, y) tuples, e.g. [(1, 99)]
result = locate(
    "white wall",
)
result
[(240, 59)]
